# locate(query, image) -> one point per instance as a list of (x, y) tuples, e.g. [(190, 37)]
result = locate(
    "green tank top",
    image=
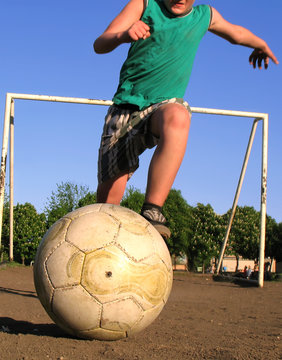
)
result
[(159, 67)]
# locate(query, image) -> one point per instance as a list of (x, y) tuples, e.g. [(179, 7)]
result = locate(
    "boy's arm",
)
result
[(236, 34), (125, 28)]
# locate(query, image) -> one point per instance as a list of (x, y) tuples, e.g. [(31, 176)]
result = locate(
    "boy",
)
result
[(148, 107)]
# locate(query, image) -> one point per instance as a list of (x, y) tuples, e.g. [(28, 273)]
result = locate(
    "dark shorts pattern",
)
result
[(125, 136)]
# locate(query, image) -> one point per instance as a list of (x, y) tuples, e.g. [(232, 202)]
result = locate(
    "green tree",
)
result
[(4, 250), (244, 234), (276, 242), (89, 199), (207, 233), (133, 199), (178, 215), (64, 200), (270, 237), (29, 228)]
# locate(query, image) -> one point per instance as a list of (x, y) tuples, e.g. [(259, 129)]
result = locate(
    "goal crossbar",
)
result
[(8, 133)]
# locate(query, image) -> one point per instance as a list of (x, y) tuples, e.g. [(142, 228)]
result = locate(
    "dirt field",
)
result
[(203, 319)]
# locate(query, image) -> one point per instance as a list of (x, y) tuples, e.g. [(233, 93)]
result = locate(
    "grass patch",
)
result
[(9, 264)]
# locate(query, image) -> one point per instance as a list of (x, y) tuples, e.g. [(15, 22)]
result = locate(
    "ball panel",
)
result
[(109, 274), (156, 260), (69, 260), (136, 247), (92, 231), (83, 210), (129, 219), (76, 308), (102, 272), (53, 237), (168, 286), (120, 315), (42, 285), (162, 251), (147, 318)]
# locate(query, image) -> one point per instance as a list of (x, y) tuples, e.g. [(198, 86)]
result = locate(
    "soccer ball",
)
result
[(103, 272)]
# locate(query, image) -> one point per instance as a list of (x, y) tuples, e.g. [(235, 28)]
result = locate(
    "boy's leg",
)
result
[(112, 190), (170, 123)]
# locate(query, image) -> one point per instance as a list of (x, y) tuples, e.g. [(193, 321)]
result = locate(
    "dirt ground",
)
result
[(203, 319)]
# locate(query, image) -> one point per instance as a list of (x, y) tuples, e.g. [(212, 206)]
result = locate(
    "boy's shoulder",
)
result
[(201, 7), (203, 11)]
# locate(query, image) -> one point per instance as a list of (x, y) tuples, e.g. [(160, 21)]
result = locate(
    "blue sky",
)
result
[(46, 48)]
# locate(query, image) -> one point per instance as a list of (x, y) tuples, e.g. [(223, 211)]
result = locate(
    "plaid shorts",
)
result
[(126, 135)]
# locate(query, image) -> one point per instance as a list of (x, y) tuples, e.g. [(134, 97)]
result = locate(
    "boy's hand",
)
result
[(137, 31), (236, 34), (125, 28), (258, 56)]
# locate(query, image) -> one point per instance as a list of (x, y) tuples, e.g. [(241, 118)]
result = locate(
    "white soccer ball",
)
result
[(103, 272)]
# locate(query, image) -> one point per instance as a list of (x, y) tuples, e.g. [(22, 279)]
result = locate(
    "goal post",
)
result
[(8, 134)]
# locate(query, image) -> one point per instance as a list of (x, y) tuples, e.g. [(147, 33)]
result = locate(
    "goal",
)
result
[(8, 134)]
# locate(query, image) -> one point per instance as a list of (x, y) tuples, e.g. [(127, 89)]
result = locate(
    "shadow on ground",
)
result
[(11, 326), (18, 292)]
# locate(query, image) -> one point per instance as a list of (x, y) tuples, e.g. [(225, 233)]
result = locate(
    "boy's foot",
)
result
[(153, 214)]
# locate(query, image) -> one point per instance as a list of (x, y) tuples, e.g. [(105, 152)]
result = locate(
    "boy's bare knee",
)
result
[(170, 116), (177, 116)]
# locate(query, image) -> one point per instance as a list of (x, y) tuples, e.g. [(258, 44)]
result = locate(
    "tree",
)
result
[(29, 228), (270, 237), (207, 232), (274, 240), (4, 249), (244, 234), (89, 199), (133, 199), (64, 200), (277, 246), (178, 215)]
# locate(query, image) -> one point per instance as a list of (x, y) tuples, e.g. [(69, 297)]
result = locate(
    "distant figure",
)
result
[(267, 271), (267, 266), (209, 270), (249, 272), (245, 271)]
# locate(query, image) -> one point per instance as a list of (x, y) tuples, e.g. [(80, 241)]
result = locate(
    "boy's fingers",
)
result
[(253, 61), (269, 54), (258, 56), (132, 35), (139, 30), (274, 59), (146, 35), (140, 34), (266, 62), (260, 61), (146, 27)]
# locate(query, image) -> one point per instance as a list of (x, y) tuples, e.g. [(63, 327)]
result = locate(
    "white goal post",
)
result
[(8, 133)]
